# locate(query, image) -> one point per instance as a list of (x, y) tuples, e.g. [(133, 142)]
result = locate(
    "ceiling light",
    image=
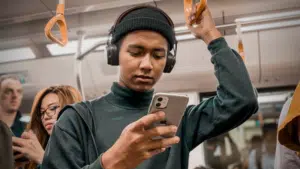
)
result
[(16, 54)]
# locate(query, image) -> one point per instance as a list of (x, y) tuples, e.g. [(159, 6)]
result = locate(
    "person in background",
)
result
[(288, 157), (6, 155), (222, 161), (11, 94), (254, 145), (44, 113), (265, 158)]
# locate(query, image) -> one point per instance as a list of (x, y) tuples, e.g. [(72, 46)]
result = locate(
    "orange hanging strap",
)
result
[(60, 20), (240, 42), (193, 12), (241, 49)]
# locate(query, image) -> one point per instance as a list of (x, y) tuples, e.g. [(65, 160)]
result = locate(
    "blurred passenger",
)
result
[(255, 145), (6, 155), (288, 146), (44, 113), (11, 94), (265, 158), (221, 161)]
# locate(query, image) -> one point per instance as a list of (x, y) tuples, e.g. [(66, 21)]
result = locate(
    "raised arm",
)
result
[(235, 100)]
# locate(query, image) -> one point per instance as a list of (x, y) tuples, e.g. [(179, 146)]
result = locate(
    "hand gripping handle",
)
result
[(193, 12)]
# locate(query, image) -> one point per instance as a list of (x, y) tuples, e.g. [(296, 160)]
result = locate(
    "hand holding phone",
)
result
[(29, 146), (173, 105)]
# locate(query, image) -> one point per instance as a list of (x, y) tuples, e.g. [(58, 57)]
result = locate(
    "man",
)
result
[(223, 160), (116, 132), (263, 157), (11, 94)]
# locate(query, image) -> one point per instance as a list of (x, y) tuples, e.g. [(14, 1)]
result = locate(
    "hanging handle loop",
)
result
[(61, 21), (193, 12)]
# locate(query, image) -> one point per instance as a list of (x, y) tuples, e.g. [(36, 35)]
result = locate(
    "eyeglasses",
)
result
[(50, 111)]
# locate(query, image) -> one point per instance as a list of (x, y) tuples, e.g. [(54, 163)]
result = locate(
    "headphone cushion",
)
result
[(112, 54), (171, 61)]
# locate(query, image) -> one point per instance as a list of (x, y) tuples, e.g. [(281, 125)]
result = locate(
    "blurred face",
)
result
[(143, 56), (270, 142), (11, 93), (50, 108)]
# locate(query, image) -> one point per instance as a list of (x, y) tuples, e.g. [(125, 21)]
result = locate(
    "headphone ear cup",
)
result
[(171, 61), (112, 54)]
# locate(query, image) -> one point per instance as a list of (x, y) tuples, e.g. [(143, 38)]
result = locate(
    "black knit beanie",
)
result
[(147, 18)]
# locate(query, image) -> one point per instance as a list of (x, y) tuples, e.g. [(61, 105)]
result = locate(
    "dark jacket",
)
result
[(80, 136), (6, 152)]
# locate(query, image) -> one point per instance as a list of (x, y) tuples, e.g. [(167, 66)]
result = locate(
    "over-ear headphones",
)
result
[(112, 50)]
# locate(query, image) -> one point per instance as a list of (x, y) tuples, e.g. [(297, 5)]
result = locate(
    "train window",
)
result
[(234, 149)]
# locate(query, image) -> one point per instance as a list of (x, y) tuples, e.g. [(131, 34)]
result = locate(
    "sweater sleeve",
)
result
[(233, 104), (65, 148)]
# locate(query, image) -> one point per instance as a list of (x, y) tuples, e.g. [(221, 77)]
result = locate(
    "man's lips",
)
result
[(144, 79)]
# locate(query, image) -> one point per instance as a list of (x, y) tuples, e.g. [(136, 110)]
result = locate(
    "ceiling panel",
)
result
[(14, 11)]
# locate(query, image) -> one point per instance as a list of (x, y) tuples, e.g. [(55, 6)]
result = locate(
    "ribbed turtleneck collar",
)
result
[(128, 98)]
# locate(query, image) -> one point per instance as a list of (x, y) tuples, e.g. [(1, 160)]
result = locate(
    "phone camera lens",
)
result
[(159, 99), (158, 104)]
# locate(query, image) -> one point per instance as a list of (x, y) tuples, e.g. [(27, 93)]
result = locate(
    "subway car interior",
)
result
[(50, 43)]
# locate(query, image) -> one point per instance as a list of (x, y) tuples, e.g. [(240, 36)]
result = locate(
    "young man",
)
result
[(116, 133), (11, 94)]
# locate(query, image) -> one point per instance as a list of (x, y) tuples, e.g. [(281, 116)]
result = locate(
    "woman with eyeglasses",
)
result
[(45, 110)]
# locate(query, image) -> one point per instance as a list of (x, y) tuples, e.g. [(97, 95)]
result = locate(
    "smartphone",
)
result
[(22, 159), (173, 105)]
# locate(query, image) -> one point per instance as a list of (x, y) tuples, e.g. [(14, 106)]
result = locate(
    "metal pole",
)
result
[(81, 56), (78, 64)]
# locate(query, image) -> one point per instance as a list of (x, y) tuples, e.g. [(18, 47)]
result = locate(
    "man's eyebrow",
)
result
[(159, 50), (136, 46)]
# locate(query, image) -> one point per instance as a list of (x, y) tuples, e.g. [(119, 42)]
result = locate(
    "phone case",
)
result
[(173, 105)]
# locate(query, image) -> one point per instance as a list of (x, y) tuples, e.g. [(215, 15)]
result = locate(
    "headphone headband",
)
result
[(112, 50)]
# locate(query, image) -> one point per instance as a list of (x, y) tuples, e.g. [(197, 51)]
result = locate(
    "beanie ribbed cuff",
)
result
[(144, 23)]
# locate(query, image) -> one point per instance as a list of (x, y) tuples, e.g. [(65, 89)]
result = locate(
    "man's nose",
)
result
[(146, 63)]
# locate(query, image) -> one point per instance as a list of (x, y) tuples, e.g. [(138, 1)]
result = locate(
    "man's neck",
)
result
[(8, 118)]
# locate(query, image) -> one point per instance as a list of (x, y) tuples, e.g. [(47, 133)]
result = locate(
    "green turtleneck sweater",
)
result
[(80, 136)]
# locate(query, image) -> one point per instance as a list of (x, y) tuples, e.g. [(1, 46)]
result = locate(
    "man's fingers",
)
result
[(160, 131), (148, 120), (163, 143)]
